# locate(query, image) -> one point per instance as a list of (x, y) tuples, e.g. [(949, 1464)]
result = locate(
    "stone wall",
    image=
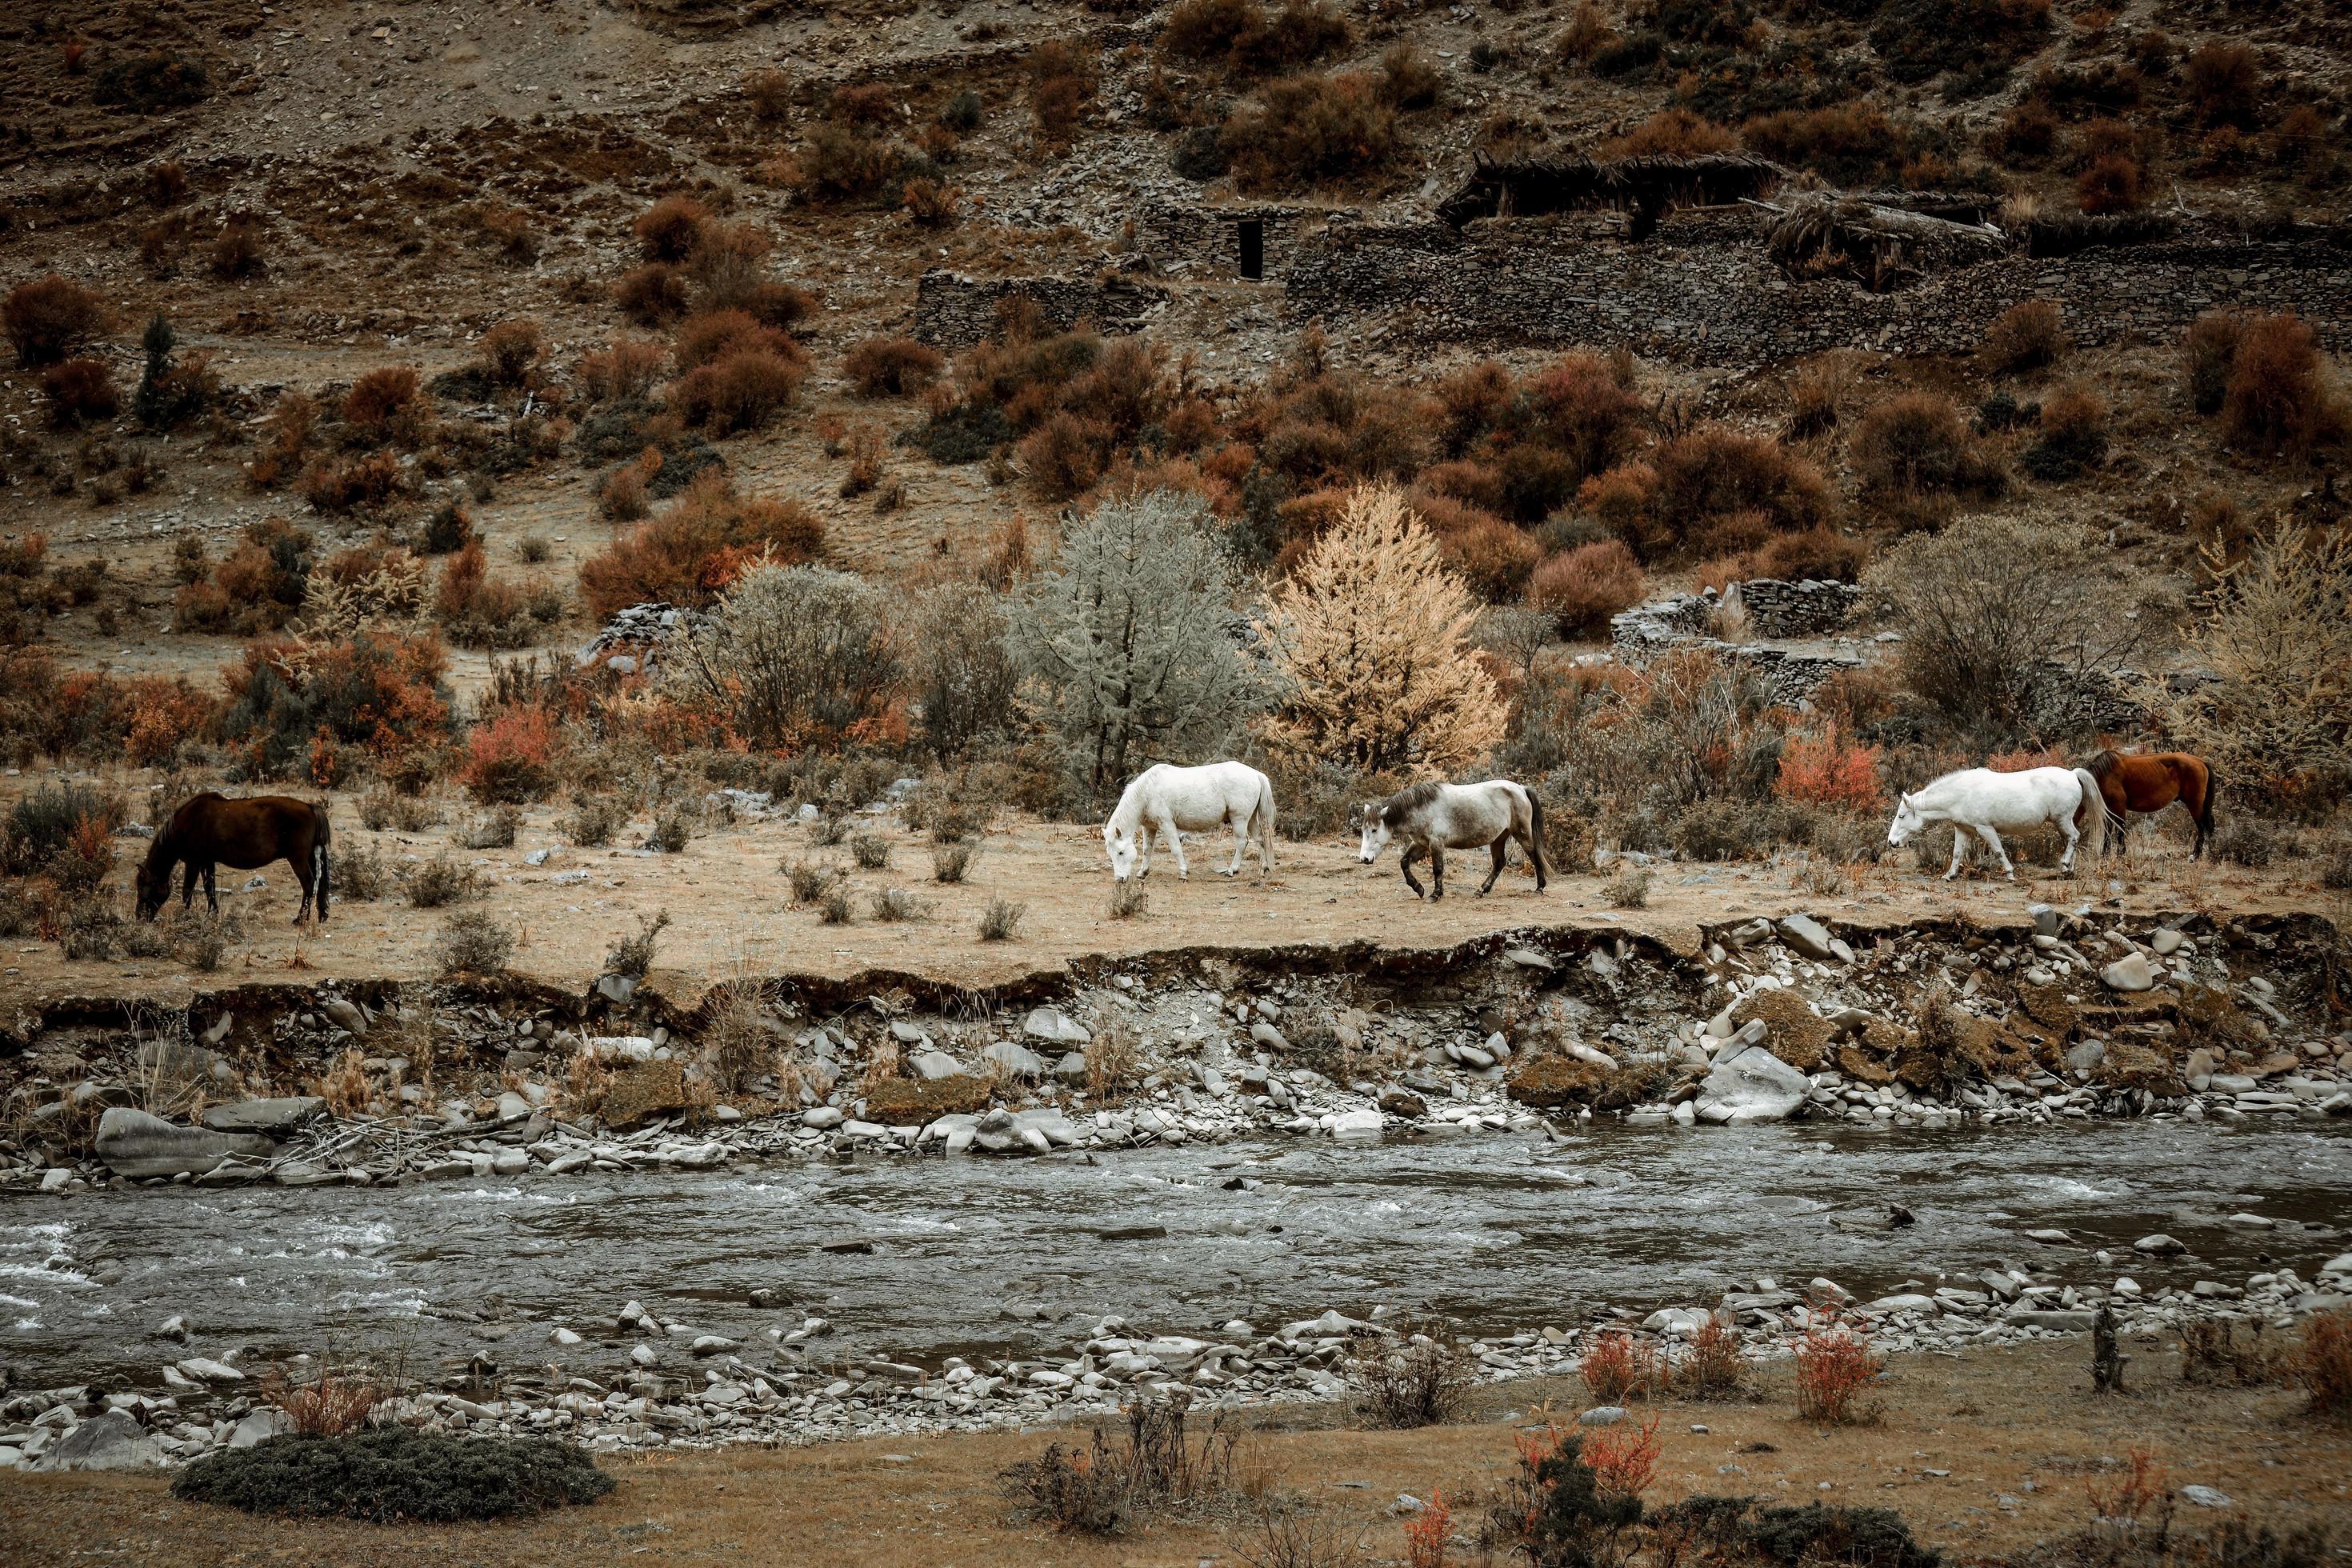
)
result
[(1703, 288), (1687, 621), (955, 312), (1813, 608), (1180, 237)]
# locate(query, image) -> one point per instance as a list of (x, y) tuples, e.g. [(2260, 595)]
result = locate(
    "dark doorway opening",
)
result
[(1252, 237)]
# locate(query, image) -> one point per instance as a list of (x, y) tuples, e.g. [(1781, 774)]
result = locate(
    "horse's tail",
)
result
[(2205, 808), (1536, 833), (321, 838), (1261, 820), (2090, 819)]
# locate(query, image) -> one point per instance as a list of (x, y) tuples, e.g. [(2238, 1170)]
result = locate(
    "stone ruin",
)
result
[(953, 311), (1252, 242), (1773, 609)]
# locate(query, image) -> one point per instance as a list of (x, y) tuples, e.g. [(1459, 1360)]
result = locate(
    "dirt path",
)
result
[(1981, 1455), (731, 906)]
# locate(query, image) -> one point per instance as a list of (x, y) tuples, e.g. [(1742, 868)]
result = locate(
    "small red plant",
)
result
[(1834, 1365), (1624, 1458), (2322, 1363), (2139, 1488), (1827, 770), (1429, 1532), (512, 758), (1618, 1367)]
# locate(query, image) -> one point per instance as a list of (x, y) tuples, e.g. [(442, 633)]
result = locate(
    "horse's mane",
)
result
[(2100, 763), (1413, 797)]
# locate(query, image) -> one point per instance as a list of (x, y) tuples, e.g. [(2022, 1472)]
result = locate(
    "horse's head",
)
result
[(153, 886), (1120, 843), (1907, 821), (1375, 825)]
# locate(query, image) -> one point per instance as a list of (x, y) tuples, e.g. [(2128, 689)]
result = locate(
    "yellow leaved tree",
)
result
[(1371, 642)]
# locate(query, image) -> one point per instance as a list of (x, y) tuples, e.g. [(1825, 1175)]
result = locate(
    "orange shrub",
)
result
[(2278, 398), (690, 552), (1671, 133), (2023, 758), (1835, 1364), (2026, 336), (627, 368), (1826, 770), (2115, 183), (78, 391), (1428, 1533), (670, 228), (378, 397), (1623, 1458), (166, 714), (741, 390), (353, 483), (652, 294), (891, 367), (381, 691), (1581, 588), (1817, 553), (1617, 1367), (1494, 557), (1622, 497), (510, 757), (2322, 1363), (1064, 455), (1713, 473)]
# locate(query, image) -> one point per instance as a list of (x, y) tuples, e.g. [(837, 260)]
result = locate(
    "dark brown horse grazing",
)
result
[(2152, 782), (211, 829)]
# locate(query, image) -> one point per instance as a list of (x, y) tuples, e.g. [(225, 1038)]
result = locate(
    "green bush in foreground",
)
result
[(397, 1475)]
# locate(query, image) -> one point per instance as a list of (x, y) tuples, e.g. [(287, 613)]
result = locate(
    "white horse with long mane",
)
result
[(1978, 800), (1171, 801)]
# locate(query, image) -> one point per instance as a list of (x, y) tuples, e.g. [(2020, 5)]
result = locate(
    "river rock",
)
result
[(346, 1015), (823, 1119), (2205, 1497), (278, 1118), (932, 1066), (259, 1426), (110, 1442), (1016, 1059), (1751, 1085), (1053, 1024), (204, 1369), (1603, 1416), (1807, 935), (1357, 1124), (2158, 1245), (135, 1145), (2130, 973), (2165, 941), (1071, 1068)]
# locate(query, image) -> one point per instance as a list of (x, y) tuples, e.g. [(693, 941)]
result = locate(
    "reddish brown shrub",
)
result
[(2223, 82), (1623, 498), (49, 317), (891, 367), (511, 757), (1581, 588), (2207, 353), (2026, 336), (1409, 77), (1851, 142), (354, 484), (729, 263), (840, 163), (1835, 1364), (79, 390), (1474, 401), (697, 545), (1916, 443), (652, 294), (1815, 553), (741, 390), (239, 251), (2027, 133), (1204, 29), (1671, 133), (1494, 557), (477, 610), (627, 368), (379, 398), (1064, 455), (1617, 1367), (709, 335), (929, 203), (1623, 1458), (2322, 1363), (671, 229), (1713, 473), (774, 303), (2278, 398), (166, 715), (868, 106), (1828, 770), (2114, 184), (770, 94), (1464, 480), (2301, 141), (1061, 86), (1311, 128), (511, 350)]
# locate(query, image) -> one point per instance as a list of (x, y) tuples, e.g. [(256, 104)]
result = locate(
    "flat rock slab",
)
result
[(280, 1118), (112, 1441), (134, 1144)]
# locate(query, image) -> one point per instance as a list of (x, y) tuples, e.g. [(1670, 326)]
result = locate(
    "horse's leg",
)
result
[(212, 893), (1436, 872), (1993, 842), (2073, 841), (1404, 864), (302, 877), (1959, 849), (188, 886), (1240, 826), (1501, 854), (1176, 848)]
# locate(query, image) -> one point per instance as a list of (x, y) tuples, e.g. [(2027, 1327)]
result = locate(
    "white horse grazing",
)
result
[(1980, 800), (1173, 801), (1434, 817)]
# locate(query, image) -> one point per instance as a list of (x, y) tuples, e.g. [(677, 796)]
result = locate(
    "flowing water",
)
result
[(989, 1255)]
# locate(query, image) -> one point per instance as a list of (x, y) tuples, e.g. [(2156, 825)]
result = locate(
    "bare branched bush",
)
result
[(792, 656), (633, 955), (441, 881), (472, 942), (952, 862), (1419, 1381), (1001, 921)]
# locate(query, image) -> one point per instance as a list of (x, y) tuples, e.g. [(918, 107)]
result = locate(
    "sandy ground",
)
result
[(732, 910), (1981, 1455)]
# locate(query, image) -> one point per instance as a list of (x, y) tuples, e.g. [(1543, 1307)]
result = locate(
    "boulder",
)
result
[(1018, 1060), (2165, 941), (135, 1145), (932, 1066), (1358, 1124), (110, 1442), (1403, 1102), (1071, 1068), (1053, 1024), (258, 1425), (1807, 935), (2130, 973), (1752, 1086), (280, 1118), (346, 1015)]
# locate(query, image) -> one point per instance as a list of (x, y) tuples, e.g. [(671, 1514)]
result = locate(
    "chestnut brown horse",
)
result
[(211, 829), (2149, 783)]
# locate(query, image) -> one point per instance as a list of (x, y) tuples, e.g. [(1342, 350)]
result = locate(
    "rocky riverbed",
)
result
[(829, 1299)]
